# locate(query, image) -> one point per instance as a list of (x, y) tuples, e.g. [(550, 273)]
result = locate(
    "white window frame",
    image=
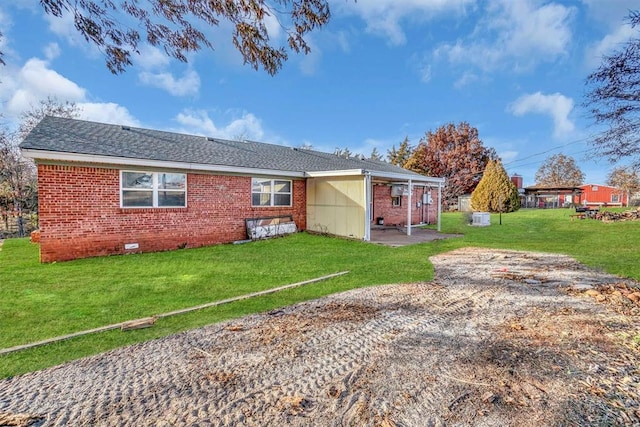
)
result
[(272, 193), (615, 198), (396, 201), (154, 189)]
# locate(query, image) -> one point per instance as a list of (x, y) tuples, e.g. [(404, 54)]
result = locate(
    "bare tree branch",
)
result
[(558, 171), (613, 100)]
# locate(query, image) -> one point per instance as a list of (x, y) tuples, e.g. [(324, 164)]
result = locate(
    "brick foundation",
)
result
[(80, 214)]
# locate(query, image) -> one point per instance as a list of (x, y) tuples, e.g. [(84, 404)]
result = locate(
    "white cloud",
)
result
[(421, 65), (507, 155), (517, 34), (188, 84), (310, 62), (247, 126), (65, 28), (342, 39), (5, 26), (466, 79), (107, 112), (51, 51), (385, 17), (151, 58), (611, 42), (369, 144), (425, 73), (555, 105), (274, 29), (609, 12), (35, 81), (154, 64)]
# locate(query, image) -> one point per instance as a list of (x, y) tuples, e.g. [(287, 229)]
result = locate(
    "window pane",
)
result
[(282, 186), (171, 181), (282, 199), (171, 198), (137, 198), (137, 180), (261, 199), (261, 185)]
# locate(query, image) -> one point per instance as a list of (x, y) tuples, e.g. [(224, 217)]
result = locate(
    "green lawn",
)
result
[(39, 301)]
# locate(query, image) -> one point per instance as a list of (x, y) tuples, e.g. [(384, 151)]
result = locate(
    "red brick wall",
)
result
[(80, 214), (397, 215)]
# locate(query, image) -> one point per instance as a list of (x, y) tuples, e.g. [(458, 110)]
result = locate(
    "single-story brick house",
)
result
[(108, 189)]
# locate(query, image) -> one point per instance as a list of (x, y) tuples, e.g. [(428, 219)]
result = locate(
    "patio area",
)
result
[(397, 236)]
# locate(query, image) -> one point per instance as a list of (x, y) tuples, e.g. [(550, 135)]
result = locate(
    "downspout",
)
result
[(439, 204), (368, 203), (409, 206)]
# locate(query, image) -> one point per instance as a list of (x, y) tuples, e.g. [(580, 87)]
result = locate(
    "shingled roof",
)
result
[(56, 135)]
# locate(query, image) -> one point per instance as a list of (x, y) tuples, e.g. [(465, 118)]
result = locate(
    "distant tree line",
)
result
[(18, 179)]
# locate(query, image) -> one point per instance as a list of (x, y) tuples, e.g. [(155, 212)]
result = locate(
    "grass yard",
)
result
[(39, 301)]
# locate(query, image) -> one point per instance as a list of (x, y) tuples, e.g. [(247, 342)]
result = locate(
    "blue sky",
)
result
[(380, 71)]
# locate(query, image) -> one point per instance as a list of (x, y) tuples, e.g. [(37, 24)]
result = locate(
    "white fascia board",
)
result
[(345, 172), (126, 161), (406, 177)]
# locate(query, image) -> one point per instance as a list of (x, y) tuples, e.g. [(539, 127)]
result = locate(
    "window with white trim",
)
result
[(396, 200), (270, 192), (153, 189), (615, 198)]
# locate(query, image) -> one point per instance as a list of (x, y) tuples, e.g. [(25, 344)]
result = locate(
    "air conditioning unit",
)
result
[(399, 190), (481, 219)]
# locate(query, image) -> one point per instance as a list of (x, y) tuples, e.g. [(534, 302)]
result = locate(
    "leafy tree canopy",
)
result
[(455, 153), (495, 191), (119, 27), (613, 100), (559, 171)]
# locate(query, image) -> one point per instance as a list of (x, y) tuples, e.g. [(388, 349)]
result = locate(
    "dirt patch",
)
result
[(498, 338)]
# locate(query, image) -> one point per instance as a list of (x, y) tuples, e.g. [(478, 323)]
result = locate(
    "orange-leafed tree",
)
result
[(453, 152)]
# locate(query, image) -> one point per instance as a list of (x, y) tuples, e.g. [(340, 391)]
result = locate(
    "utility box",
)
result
[(481, 219)]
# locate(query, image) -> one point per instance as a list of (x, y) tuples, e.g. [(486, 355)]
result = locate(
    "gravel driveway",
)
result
[(498, 338)]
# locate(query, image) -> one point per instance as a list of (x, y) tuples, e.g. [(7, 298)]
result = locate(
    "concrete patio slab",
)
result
[(397, 236)]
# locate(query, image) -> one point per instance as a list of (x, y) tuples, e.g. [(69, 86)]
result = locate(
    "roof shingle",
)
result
[(65, 135)]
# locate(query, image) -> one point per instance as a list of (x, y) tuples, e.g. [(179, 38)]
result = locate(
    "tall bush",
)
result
[(495, 191)]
